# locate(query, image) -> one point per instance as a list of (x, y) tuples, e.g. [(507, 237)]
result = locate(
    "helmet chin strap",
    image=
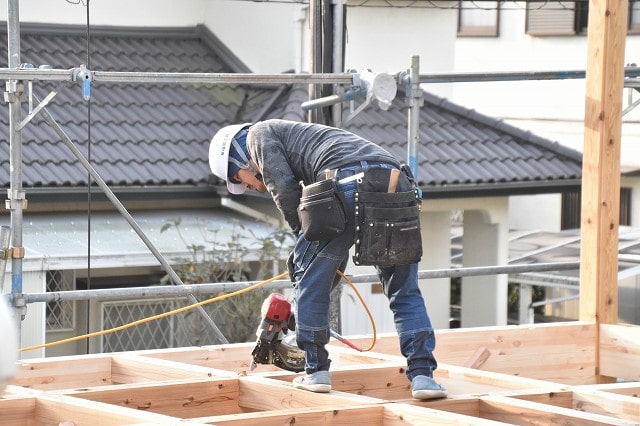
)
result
[(245, 163)]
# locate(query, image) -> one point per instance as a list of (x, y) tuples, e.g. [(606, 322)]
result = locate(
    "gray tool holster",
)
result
[(387, 223)]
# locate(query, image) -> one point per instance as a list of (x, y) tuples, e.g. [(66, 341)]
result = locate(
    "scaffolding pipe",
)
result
[(416, 100), (16, 201), (214, 288), (33, 74), (630, 72), (207, 289), (123, 211)]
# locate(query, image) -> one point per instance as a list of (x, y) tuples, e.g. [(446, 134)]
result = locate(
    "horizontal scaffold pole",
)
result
[(216, 288), (43, 74), (33, 74)]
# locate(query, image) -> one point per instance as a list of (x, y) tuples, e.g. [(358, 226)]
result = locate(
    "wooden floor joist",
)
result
[(541, 374)]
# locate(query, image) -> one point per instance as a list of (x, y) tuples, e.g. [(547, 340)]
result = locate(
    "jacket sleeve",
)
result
[(278, 177)]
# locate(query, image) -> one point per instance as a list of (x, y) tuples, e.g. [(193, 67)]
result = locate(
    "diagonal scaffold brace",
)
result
[(175, 279)]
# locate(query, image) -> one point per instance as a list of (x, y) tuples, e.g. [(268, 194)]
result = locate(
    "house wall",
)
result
[(33, 327), (550, 108), (112, 12), (539, 212)]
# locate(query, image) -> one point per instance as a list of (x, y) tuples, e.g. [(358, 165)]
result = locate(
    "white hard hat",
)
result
[(219, 155), (9, 346)]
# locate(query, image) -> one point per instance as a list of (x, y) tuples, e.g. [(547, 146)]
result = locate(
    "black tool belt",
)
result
[(387, 223), (321, 211)]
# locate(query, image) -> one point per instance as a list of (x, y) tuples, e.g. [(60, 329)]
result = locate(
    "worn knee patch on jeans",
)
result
[(306, 335), (417, 347), (313, 342)]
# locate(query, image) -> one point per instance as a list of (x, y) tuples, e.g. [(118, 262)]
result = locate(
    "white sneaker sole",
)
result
[(428, 394), (317, 388)]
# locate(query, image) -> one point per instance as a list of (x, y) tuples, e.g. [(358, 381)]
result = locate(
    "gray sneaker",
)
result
[(424, 387), (320, 381)]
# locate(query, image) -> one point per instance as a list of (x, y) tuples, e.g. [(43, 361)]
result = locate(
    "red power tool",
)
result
[(274, 334)]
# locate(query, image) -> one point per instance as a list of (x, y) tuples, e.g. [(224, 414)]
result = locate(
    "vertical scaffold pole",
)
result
[(17, 200), (416, 101)]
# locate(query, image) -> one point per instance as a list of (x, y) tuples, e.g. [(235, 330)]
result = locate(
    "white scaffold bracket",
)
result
[(85, 76), (380, 87)]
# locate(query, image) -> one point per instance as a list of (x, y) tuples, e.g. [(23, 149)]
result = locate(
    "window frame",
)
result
[(567, 18), (478, 30)]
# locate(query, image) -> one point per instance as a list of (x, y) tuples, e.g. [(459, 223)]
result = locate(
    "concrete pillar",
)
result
[(484, 298), (436, 247)]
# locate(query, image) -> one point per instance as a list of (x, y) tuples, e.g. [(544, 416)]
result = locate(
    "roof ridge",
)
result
[(40, 28)]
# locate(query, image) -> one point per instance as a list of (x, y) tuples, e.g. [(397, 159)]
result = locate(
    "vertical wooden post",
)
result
[(607, 28)]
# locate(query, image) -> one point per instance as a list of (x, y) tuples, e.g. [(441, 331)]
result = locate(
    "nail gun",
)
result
[(275, 344)]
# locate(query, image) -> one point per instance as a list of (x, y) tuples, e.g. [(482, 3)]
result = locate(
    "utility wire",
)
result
[(432, 4)]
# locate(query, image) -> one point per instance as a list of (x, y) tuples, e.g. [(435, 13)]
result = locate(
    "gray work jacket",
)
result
[(290, 152)]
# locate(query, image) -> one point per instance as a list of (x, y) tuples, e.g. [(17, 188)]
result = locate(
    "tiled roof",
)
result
[(463, 151), (141, 134), (158, 134)]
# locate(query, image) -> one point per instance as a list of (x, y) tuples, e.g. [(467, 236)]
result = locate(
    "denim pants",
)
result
[(315, 266)]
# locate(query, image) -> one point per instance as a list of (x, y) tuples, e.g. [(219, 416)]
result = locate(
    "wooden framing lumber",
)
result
[(591, 400), (515, 411), (620, 351), (566, 350), (90, 371), (64, 410), (188, 385), (601, 161)]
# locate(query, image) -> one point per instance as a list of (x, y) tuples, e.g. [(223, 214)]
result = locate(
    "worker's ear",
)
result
[(255, 166)]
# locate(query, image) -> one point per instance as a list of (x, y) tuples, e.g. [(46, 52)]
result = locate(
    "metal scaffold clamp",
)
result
[(85, 76), (371, 86)]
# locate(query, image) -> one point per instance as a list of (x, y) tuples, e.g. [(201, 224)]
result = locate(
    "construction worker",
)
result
[(281, 157)]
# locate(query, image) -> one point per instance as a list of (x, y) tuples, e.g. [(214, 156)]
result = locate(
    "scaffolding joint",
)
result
[(15, 252), (17, 199), (19, 303), (413, 91), (85, 76)]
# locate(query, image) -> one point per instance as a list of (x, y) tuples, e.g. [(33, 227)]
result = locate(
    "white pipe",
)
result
[(299, 18)]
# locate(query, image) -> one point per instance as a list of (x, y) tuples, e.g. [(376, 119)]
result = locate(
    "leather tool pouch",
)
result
[(387, 223), (321, 211)]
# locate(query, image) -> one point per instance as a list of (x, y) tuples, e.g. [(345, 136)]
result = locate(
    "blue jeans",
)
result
[(315, 266)]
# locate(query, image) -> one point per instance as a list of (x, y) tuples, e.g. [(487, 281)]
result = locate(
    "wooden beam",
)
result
[(170, 386), (517, 411), (620, 351), (565, 351), (64, 372), (601, 164), (601, 161)]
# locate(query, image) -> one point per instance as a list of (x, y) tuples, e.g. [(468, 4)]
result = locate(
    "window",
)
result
[(569, 18), (60, 314), (571, 207), (478, 18)]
